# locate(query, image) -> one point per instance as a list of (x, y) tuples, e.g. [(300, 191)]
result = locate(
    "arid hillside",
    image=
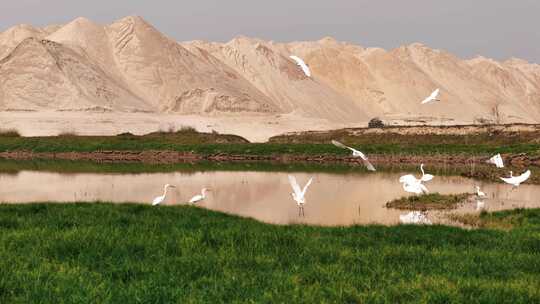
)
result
[(129, 66)]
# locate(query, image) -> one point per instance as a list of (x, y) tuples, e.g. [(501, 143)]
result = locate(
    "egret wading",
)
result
[(479, 193), (158, 200), (199, 197)]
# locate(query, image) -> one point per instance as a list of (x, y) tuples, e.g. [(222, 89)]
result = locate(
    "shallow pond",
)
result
[(333, 198)]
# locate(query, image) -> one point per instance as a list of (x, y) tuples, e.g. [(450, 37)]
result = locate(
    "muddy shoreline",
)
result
[(170, 157)]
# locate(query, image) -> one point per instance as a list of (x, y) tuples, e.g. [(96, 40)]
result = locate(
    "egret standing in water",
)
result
[(158, 200), (299, 195), (302, 65), (199, 197), (425, 177), (432, 97), (479, 193), (355, 153), (515, 181)]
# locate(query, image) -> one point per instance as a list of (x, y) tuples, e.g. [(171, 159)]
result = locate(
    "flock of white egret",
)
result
[(410, 183)]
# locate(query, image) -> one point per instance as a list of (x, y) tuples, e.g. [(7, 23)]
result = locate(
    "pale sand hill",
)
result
[(277, 76), (44, 75), (177, 80), (129, 66)]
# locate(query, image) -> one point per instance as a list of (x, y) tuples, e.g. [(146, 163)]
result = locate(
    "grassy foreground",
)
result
[(103, 253)]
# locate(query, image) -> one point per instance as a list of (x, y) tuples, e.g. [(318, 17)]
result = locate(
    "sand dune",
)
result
[(129, 66)]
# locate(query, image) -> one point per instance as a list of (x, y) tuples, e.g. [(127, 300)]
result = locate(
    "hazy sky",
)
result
[(494, 28)]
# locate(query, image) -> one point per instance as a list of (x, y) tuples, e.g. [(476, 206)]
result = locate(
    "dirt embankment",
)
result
[(474, 134), (168, 157)]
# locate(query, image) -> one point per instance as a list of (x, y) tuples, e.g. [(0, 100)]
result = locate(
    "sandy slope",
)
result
[(129, 66)]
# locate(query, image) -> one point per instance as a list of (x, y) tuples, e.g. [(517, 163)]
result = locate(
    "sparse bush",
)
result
[(125, 134), (68, 134), (376, 123), (9, 133), (187, 129), (169, 128)]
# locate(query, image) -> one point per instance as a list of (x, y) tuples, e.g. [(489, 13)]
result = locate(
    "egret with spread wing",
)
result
[(432, 97), (355, 153), (413, 185), (515, 181), (301, 64), (496, 160), (158, 200), (299, 195)]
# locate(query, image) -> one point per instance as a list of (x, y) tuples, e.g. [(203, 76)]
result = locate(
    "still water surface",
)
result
[(333, 199)]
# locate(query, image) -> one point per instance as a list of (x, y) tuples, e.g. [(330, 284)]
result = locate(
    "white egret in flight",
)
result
[(432, 97), (496, 160), (515, 181), (479, 193), (199, 197), (356, 153), (158, 200), (299, 195), (301, 64), (414, 217)]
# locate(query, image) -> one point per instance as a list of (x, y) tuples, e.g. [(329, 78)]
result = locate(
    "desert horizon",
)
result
[(128, 66)]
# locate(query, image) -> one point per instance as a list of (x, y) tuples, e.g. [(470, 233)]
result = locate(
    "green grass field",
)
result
[(189, 140), (104, 253)]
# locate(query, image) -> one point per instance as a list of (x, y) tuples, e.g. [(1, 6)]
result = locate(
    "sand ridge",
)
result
[(130, 67)]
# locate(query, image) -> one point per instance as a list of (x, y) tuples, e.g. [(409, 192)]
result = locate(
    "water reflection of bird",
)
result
[(199, 197), (480, 205), (299, 195), (415, 217), (158, 200)]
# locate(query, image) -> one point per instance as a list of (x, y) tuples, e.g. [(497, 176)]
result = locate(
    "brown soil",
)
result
[(519, 160)]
